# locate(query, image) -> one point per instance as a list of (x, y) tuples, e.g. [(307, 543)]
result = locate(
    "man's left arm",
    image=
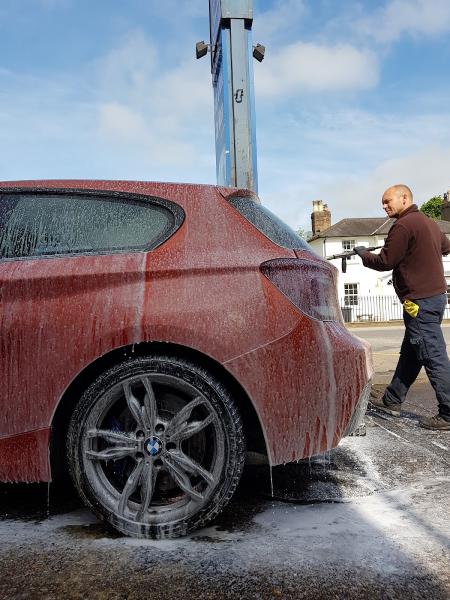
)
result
[(391, 254)]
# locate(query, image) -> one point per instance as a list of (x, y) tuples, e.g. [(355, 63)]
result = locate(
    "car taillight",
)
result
[(309, 285)]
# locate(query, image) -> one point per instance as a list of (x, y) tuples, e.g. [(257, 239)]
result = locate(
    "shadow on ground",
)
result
[(323, 478)]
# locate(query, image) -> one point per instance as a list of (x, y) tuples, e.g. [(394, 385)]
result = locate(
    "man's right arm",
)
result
[(393, 251)]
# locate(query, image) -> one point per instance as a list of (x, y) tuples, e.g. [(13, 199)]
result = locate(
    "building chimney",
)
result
[(445, 213), (320, 217)]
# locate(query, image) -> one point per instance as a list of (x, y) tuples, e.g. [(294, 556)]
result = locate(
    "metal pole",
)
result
[(234, 107)]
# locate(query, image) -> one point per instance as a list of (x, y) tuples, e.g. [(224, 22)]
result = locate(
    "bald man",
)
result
[(413, 250)]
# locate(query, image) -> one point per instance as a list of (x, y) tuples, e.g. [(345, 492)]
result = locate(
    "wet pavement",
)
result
[(368, 520), (386, 340)]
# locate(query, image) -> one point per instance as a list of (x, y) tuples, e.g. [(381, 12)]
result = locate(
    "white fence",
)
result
[(357, 309)]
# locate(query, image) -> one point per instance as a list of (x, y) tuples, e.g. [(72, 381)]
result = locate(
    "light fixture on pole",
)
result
[(258, 52), (201, 49)]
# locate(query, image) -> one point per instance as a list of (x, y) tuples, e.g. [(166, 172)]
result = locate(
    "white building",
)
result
[(364, 294)]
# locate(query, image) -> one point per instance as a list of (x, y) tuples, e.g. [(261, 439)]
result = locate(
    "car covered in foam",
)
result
[(151, 334)]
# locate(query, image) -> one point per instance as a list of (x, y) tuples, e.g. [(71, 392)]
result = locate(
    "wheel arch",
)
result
[(60, 422)]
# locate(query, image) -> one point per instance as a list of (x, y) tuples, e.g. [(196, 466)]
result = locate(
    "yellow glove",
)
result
[(411, 308)]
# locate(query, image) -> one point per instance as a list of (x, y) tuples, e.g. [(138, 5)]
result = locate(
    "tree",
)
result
[(302, 233), (432, 207)]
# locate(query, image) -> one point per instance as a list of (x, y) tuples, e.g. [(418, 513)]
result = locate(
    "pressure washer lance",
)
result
[(346, 255)]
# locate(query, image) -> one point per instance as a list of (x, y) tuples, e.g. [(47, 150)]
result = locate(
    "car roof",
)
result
[(169, 190)]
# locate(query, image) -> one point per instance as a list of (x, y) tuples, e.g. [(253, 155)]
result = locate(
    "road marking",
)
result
[(392, 433), (441, 446)]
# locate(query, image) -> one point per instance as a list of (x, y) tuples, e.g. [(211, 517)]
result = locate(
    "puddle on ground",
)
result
[(208, 539), (334, 476), (94, 531), (35, 501)]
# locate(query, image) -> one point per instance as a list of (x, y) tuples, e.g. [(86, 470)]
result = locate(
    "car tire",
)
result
[(156, 447)]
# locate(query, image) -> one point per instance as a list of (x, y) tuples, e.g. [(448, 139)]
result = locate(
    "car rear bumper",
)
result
[(309, 387), (356, 422)]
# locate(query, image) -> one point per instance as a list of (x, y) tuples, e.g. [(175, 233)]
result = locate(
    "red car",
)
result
[(150, 333)]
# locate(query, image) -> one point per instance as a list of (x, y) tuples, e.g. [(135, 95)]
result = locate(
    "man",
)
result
[(414, 249)]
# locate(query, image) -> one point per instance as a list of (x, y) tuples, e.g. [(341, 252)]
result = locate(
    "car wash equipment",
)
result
[(345, 255)]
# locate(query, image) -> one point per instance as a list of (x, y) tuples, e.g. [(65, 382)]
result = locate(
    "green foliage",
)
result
[(432, 207)]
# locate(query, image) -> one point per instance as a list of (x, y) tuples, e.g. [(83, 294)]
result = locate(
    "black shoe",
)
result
[(437, 423), (376, 401)]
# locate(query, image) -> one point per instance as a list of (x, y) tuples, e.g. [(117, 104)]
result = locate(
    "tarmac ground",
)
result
[(369, 519)]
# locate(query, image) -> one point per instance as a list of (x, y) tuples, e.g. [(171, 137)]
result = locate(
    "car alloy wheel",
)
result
[(156, 447)]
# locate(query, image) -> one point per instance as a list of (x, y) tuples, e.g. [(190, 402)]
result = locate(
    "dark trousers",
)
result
[(423, 345)]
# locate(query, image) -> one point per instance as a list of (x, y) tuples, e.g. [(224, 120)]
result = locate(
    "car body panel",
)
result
[(25, 457), (59, 314)]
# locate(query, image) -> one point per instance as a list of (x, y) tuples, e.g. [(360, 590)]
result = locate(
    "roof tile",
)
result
[(366, 227)]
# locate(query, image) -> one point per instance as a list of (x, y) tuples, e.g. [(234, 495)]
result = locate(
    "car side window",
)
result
[(36, 224), (268, 224)]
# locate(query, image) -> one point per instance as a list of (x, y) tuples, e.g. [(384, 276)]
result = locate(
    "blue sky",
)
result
[(351, 97)]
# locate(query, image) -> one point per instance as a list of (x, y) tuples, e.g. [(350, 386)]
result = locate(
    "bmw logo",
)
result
[(153, 446)]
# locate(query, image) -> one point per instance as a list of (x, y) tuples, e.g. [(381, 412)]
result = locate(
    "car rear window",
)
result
[(269, 224), (42, 224)]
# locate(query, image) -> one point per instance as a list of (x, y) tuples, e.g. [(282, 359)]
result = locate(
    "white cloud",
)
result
[(176, 11), (284, 17), (128, 70), (154, 110), (426, 172), (126, 115), (155, 141), (307, 67), (348, 158), (120, 122), (134, 74), (414, 17), (184, 90)]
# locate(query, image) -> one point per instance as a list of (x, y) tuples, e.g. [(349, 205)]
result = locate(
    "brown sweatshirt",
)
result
[(413, 249)]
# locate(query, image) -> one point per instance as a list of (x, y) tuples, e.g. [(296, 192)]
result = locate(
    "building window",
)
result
[(350, 294), (347, 246)]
